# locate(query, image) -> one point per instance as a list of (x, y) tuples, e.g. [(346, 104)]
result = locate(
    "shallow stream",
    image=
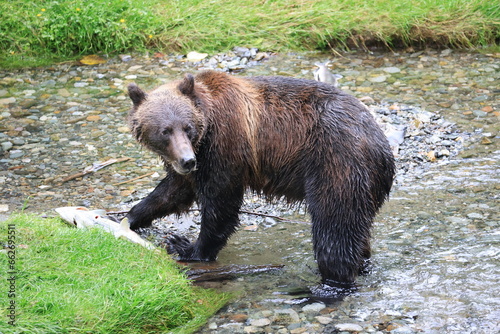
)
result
[(436, 243)]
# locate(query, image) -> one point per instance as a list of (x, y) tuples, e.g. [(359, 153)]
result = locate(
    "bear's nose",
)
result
[(188, 164)]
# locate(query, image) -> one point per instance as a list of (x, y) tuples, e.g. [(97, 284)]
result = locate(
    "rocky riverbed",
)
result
[(436, 244)]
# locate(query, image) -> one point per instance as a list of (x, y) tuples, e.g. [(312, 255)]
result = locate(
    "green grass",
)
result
[(32, 32), (86, 281)]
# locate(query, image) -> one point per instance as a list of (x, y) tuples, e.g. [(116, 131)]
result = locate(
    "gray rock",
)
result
[(475, 215), (6, 145), (480, 113), (14, 154), (392, 70), (260, 322), (7, 100), (378, 79), (313, 308), (347, 327), (285, 316)]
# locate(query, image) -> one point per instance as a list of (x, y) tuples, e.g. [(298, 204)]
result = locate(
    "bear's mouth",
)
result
[(183, 170)]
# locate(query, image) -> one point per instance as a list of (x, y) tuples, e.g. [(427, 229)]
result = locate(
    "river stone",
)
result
[(392, 70), (134, 68), (323, 320), (380, 78), (14, 154), (402, 330), (252, 329), (194, 56), (260, 322), (457, 220), (479, 113), (285, 317), (63, 92), (349, 327), (313, 308), (6, 145), (475, 215), (3, 92), (18, 141), (8, 100)]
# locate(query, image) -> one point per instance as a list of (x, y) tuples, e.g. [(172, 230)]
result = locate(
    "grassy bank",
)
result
[(54, 30), (86, 281)]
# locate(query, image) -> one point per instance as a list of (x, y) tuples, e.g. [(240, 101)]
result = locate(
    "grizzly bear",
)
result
[(282, 137)]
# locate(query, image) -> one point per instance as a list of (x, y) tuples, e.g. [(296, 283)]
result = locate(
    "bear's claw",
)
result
[(179, 245)]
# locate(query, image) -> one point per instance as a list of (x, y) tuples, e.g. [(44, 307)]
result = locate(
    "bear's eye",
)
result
[(188, 128), (167, 131)]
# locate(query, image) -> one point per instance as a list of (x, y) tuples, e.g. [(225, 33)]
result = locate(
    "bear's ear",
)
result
[(136, 94), (186, 86)]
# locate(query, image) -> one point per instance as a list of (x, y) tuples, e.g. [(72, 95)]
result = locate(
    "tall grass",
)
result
[(67, 28), (86, 281)]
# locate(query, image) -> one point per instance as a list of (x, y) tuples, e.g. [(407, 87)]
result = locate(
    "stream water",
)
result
[(436, 243)]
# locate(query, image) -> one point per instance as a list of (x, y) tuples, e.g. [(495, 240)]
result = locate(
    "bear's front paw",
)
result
[(180, 245), (186, 250)]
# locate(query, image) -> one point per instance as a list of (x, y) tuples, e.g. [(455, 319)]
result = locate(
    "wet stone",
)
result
[(313, 308), (14, 154), (6, 145), (392, 70), (260, 322), (349, 327), (7, 100)]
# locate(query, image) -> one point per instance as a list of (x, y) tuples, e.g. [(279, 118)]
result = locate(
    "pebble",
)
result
[(285, 316), (380, 78), (194, 56), (8, 100), (349, 327), (323, 320), (475, 215), (392, 70), (14, 154), (260, 322), (6, 145), (313, 308)]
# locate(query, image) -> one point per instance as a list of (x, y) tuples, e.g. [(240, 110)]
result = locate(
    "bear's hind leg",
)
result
[(341, 235)]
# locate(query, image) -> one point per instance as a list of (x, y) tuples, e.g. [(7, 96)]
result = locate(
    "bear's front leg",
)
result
[(174, 194), (219, 220)]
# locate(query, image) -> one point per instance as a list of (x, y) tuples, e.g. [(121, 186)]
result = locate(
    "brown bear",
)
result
[(282, 137)]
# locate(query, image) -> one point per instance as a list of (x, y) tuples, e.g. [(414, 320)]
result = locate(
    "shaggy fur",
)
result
[(298, 139)]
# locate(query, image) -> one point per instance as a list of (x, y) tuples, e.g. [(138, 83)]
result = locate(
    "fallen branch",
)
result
[(135, 178), (214, 273), (94, 168), (263, 215), (241, 211)]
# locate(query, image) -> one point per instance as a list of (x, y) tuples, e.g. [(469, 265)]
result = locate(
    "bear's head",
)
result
[(169, 122)]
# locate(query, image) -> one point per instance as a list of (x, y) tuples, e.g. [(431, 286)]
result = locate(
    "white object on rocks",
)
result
[(349, 327), (323, 74), (82, 217), (195, 56)]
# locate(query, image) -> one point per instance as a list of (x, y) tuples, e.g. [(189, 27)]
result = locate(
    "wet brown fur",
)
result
[(283, 137)]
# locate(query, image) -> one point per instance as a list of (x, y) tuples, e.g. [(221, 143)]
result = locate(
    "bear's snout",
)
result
[(182, 154), (188, 163)]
